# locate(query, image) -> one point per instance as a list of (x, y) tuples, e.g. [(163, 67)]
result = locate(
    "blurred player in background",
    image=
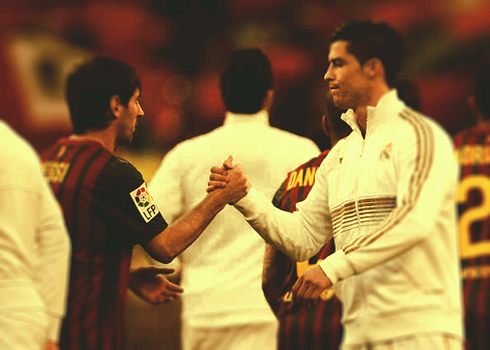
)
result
[(224, 307), (473, 154), (108, 208), (34, 250), (303, 326)]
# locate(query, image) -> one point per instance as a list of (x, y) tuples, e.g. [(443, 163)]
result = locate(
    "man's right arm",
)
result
[(301, 234)]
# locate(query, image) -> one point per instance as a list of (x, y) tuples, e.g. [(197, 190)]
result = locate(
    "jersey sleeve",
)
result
[(279, 195), (126, 202)]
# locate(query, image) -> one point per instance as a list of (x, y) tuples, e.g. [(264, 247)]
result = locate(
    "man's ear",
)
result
[(373, 68), (115, 105)]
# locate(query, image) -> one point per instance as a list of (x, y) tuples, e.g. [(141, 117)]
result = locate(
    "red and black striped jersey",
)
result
[(473, 154), (107, 210), (301, 327)]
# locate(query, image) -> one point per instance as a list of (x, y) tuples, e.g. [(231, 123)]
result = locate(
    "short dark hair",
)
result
[(90, 88), (367, 39), (245, 81), (482, 90)]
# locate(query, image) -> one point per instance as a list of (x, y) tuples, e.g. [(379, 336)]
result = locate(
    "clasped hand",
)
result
[(230, 179)]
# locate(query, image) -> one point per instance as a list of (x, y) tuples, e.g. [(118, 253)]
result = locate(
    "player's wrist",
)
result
[(215, 201)]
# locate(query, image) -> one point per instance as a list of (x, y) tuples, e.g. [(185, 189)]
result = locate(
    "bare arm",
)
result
[(177, 237)]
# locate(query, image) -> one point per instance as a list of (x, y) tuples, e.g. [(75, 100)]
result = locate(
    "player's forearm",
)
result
[(183, 232)]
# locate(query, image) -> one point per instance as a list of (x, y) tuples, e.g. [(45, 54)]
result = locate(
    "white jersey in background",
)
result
[(34, 250), (222, 270)]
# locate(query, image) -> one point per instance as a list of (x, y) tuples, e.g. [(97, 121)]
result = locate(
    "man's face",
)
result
[(128, 119), (345, 77)]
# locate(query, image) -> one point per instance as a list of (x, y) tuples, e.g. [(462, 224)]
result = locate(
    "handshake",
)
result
[(228, 181), (230, 184)]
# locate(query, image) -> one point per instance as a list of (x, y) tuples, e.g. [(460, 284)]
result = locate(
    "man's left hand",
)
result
[(310, 286), (148, 283)]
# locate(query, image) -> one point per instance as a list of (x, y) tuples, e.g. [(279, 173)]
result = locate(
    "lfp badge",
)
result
[(144, 203)]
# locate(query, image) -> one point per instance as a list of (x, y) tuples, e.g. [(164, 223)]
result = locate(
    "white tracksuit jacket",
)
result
[(388, 200)]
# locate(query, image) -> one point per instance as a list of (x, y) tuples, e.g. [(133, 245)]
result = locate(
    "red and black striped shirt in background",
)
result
[(302, 327), (107, 210), (473, 154)]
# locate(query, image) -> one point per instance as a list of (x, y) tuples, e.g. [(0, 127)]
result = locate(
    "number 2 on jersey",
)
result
[(481, 212)]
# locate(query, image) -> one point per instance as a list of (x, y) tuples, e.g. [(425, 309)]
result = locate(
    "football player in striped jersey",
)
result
[(108, 208), (473, 154)]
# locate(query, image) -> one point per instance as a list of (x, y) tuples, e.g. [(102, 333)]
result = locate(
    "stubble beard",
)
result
[(125, 137), (339, 102)]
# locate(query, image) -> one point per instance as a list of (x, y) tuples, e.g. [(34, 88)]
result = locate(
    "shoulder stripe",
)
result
[(423, 164)]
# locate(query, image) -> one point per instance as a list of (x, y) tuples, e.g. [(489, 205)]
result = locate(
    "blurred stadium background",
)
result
[(179, 47)]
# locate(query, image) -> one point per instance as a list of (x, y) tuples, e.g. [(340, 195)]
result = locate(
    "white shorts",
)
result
[(261, 336), (432, 341)]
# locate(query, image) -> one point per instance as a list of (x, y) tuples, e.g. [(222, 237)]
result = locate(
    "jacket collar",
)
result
[(259, 118), (388, 105)]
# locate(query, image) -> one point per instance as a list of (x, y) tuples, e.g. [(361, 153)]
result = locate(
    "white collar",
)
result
[(261, 117), (388, 105)]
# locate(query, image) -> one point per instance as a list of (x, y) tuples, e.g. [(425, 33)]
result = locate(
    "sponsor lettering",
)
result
[(473, 155), (301, 178), (475, 272), (55, 172)]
